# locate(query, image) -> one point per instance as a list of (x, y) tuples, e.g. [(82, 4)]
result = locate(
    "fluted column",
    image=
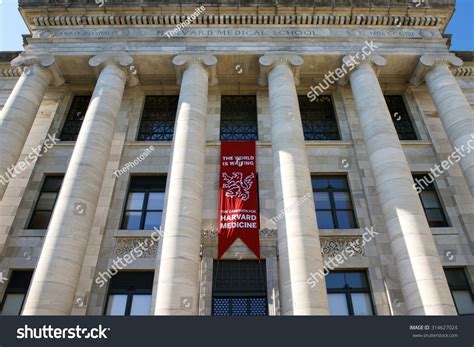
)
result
[(20, 110), (56, 277), (421, 275), (298, 236), (453, 108), (178, 280)]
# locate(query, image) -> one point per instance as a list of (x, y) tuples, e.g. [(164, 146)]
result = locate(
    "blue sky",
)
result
[(12, 26)]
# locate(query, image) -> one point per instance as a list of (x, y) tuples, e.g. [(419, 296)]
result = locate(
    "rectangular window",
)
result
[(239, 118), (144, 206), (239, 288), (332, 199), (158, 118), (400, 117), (349, 294), (75, 117), (463, 295), (318, 118), (430, 201), (46, 201), (130, 294), (15, 294)]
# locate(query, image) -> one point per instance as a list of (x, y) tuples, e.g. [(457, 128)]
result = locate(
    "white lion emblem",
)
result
[(237, 186)]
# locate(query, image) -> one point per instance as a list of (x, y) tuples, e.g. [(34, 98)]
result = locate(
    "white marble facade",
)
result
[(120, 54)]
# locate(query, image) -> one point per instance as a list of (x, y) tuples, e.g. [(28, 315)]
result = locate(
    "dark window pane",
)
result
[(132, 220), (318, 118), (75, 117), (153, 219), (400, 117), (40, 220), (464, 301), (345, 220), (335, 280), (342, 200), (325, 219), (15, 293), (135, 201), (157, 123), (456, 278), (239, 118), (320, 182), (321, 200), (155, 201), (338, 182), (429, 199), (46, 201), (356, 279), (338, 305), (431, 204)]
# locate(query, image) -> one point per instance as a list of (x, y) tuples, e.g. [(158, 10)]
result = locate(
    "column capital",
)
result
[(429, 61), (121, 60), (182, 61), (269, 61), (375, 61), (45, 61)]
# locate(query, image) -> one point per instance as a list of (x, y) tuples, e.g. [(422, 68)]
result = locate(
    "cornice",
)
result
[(237, 19)]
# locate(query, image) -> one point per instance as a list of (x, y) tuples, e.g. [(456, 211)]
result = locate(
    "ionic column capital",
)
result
[(44, 61), (351, 63), (121, 60), (269, 61), (429, 61), (182, 61)]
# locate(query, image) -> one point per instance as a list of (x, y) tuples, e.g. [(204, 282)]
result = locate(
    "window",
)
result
[(400, 117), (46, 201), (462, 293), (159, 114), (239, 118), (431, 204), (239, 288), (74, 119), (16, 292), (144, 207), (349, 294), (333, 202), (319, 119), (130, 294)]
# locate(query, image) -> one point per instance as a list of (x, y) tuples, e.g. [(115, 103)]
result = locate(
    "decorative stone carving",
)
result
[(122, 60), (208, 61), (333, 245), (429, 61), (268, 61), (46, 61), (126, 245)]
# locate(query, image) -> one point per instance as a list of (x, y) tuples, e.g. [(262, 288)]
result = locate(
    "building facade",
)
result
[(110, 133)]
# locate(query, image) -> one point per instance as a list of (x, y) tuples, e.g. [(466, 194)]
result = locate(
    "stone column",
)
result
[(56, 277), (298, 236), (453, 108), (178, 280), (421, 275), (20, 110)]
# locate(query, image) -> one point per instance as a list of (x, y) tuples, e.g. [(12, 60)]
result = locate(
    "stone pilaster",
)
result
[(56, 277), (20, 110), (298, 236), (453, 108), (178, 281), (421, 275)]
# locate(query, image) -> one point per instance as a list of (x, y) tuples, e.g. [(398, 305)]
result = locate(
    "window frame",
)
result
[(129, 292), (68, 118), (432, 188), (35, 209), (348, 291), (332, 202), (239, 136), (10, 290), (302, 101), (405, 116), (467, 287), (144, 209), (168, 137)]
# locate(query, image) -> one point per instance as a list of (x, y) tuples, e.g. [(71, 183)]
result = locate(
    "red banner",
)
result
[(238, 197)]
